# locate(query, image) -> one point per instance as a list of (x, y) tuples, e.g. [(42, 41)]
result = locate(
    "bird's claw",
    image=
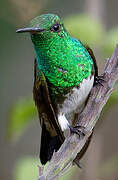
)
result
[(99, 80), (79, 130)]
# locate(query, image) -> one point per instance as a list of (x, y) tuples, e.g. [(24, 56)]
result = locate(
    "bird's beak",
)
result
[(30, 29)]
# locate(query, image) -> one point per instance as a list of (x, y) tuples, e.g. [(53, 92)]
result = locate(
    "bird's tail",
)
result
[(48, 145)]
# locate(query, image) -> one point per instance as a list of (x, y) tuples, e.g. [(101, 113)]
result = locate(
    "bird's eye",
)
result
[(55, 28)]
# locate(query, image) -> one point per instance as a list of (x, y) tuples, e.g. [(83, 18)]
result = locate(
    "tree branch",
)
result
[(62, 160)]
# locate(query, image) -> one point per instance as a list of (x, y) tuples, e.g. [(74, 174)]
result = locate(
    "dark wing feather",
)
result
[(94, 59), (52, 136), (44, 146), (43, 101)]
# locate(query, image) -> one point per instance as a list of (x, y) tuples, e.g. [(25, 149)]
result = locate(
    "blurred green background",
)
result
[(95, 22)]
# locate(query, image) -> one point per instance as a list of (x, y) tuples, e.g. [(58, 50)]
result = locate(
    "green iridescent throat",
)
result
[(64, 60)]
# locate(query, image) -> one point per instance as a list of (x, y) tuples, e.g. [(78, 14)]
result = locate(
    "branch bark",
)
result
[(62, 160)]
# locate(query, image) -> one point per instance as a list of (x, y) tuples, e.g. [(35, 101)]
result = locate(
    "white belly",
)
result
[(74, 100)]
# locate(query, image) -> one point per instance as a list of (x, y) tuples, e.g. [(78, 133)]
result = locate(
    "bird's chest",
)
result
[(75, 99)]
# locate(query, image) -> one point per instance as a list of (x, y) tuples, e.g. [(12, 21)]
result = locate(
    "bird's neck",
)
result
[(50, 52), (49, 48), (58, 58)]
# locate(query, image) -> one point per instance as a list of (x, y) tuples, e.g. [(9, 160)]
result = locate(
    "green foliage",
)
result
[(27, 168), (85, 28), (110, 41), (20, 116)]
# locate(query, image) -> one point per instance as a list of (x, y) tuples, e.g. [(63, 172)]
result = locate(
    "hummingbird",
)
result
[(65, 71)]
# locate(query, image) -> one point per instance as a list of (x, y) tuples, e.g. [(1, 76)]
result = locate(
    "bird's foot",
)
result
[(99, 80), (79, 130)]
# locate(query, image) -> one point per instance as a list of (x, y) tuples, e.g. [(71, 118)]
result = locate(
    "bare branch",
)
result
[(62, 160)]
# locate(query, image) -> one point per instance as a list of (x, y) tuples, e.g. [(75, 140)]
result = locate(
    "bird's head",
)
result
[(45, 27)]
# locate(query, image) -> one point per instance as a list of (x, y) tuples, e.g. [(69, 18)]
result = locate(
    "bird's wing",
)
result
[(43, 102), (51, 137), (94, 59)]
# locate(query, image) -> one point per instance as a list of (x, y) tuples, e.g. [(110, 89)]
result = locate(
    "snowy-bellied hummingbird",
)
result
[(65, 71)]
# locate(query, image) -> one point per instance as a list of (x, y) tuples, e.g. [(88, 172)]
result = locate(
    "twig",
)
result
[(62, 160)]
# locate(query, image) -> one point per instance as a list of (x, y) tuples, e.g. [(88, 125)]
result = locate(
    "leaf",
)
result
[(20, 116)]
